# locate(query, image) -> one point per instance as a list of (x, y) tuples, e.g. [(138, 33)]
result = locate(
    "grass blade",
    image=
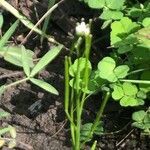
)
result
[(47, 58), (46, 86), (25, 62), (46, 21), (9, 33)]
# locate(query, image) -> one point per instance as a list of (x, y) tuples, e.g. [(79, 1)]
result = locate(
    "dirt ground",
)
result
[(38, 116)]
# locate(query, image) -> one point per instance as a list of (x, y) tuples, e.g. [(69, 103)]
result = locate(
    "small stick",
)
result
[(124, 137)]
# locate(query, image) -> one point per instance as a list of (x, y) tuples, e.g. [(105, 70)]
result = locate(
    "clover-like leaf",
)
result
[(108, 71), (115, 4), (146, 22), (131, 101), (129, 89), (118, 92), (106, 67), (121, 71), (122, 28), (127, 94), (141, 120), (97, 4), (111, 15), (138, 116)]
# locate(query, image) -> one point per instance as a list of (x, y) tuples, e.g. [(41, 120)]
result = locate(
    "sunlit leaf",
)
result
[(25, 63), (2, 142), (121, 71), (12, 131), (146, 22), (118, 92), (129, 89), (46, 86), (111, 15), (47, 58), (97, 4), (4, 114), (13, 54), (8, 34), (115, 4), (79, 66), (123, 27)]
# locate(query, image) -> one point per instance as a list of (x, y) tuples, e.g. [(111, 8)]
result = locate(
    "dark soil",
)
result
[(38, 116)]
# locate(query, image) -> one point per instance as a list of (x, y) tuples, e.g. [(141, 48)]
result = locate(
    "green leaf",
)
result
[(13, 54), (26, 66), (46, 86), (8, 34), (141, 94), (139, 116), (47, 58), (12, 131), (111, 15), (79, 65), (146, 22), (2, 89), (131, 101), (123, 27), (106, 66), (85, 131), (106, 24), (4, 114), (108, 71), (129, 89), (4, 130), (115, 4), (97, 4), (1, 20), (121, 71), (138, 125), (118, 92)]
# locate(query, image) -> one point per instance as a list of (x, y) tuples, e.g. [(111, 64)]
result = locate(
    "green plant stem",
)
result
[(137, 71), (17, 82), (100, 112), (98, 116), (136, 81), (46, 21)]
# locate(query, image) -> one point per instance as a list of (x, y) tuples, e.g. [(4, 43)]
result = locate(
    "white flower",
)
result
[(82, 29)]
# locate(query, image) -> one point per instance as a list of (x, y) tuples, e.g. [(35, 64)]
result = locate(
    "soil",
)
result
[(38, 116)]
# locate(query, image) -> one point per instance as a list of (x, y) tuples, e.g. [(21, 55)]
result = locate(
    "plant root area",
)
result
[(38, 116)]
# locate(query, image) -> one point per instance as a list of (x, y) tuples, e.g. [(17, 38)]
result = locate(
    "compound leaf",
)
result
[(138, 116)]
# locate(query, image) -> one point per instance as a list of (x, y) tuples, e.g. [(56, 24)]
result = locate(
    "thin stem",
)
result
[(98, 116), (100, 112), (137, 71), (17, 82), (136, 81)]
